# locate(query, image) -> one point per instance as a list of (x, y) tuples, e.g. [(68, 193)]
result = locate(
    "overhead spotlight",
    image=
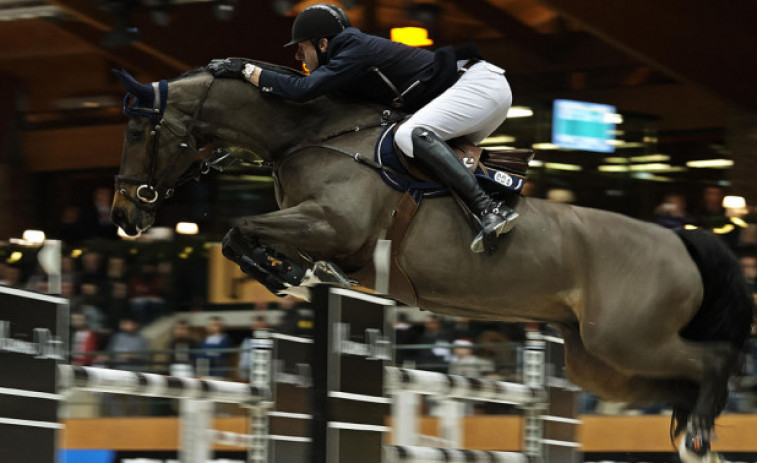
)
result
[(224, 10)]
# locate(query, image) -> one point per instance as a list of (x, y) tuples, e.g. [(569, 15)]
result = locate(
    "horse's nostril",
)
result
[(117, 215)]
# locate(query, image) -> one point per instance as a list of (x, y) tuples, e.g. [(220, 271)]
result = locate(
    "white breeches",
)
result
[(473, 107)]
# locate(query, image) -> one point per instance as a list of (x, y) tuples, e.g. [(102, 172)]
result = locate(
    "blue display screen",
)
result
[(583, 126)]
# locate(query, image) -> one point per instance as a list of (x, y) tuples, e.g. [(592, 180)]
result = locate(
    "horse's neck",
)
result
[(270, 126)]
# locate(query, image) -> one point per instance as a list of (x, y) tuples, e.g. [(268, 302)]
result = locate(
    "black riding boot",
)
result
[(496, 217)]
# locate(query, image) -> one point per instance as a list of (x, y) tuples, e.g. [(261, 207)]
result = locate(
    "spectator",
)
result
[(127, 350), (96, 218), (406, 333), (749, 266), (671, 213), (244, 365), (218, 362), (435, 358), (465, 363), (181, 346), (83, 341), (145, 302), (89, 303)]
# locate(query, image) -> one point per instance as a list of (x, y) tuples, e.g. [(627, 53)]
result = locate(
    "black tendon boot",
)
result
[(496, 217)]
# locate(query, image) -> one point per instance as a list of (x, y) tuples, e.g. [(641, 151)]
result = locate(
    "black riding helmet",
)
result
[(318, 21)]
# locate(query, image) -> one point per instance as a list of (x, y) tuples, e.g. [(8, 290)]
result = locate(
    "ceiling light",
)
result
[(535, 163), (412, 36), (519, 111), (656, 167), (651, 177), (499, 148), (34, 237), (615, 160), (710, 164), (187, 228), (544, 146), (14, 257), (612, 118), (562, 166), (497, 139), (729, 202), (612, 168), (651, 158)]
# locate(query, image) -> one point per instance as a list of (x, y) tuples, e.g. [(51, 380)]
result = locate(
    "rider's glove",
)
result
[(229, 67)]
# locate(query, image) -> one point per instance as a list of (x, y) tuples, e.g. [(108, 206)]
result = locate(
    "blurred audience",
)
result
[(83, 341), (219, 362), (182, 345), (671, 213)]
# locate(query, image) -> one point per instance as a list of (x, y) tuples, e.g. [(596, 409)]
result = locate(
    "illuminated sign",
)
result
[(583, 126)]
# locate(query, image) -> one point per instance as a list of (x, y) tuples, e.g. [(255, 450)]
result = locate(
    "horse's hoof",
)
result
[(693, 450)]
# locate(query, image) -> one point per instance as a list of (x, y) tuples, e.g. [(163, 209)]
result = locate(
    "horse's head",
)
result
[(159, 150)]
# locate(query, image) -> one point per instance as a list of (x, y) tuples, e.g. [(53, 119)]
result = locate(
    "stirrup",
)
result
[(486, 240)]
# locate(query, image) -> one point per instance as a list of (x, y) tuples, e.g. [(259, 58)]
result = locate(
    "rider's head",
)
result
[(312, 30)]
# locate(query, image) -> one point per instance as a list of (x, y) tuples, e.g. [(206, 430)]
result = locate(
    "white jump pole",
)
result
[(153, 385), (461, 387), (401, 454)]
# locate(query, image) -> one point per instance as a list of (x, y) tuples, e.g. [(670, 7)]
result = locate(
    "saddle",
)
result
[(502, 173), (498, 171)]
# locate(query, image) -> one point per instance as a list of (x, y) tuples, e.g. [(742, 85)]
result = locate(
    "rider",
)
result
[(452, 93)]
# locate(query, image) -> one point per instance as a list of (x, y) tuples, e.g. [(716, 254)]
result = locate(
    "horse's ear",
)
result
[(141, 91)]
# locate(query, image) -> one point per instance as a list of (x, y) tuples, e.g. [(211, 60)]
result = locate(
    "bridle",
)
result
[(155, 189)]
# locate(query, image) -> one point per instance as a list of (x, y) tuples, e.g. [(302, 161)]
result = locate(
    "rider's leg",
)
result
[(437, 156), (473, 107)]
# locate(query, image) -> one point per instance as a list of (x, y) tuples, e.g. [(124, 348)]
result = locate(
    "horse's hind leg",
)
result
[(650, 352), (593, 374)]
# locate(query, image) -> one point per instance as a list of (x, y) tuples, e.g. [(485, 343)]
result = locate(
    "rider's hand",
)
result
[(229, 67)]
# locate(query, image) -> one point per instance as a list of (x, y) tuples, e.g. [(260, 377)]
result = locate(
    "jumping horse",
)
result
[(647, 314)]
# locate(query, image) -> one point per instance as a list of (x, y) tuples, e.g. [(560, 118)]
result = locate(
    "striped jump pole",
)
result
[(461, 387), (411, 454), (154, 385)]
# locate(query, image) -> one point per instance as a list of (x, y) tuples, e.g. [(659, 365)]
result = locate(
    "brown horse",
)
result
[(647, 314)]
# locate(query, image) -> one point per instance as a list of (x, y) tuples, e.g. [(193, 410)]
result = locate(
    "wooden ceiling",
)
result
[(684, 63)]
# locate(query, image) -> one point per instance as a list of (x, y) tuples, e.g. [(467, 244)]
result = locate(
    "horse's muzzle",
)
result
[(120, 217)]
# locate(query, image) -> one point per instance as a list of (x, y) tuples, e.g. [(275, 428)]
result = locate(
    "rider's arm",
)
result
[(346, 63)]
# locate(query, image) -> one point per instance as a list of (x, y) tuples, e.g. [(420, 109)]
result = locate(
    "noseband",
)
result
[(154, 190)]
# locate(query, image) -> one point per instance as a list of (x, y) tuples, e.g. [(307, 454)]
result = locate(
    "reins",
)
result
[(386, 119)]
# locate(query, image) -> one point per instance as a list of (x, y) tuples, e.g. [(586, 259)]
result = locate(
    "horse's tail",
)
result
[(727, 307)]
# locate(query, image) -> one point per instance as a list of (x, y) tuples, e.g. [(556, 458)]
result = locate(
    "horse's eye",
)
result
[(134, 135)]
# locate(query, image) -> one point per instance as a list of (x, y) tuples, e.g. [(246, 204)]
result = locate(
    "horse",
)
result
[(647, 314)]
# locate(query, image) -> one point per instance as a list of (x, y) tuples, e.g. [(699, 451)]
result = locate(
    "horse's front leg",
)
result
[(256, 244)]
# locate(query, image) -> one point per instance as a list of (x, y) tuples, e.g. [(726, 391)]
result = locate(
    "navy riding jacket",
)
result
[(351, 55)]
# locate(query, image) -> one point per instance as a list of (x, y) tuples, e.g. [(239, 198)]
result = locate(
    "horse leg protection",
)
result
[(236, 248), (278, 265)]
